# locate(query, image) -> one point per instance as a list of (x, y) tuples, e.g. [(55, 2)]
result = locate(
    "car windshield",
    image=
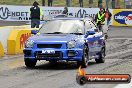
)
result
[(62, 26)]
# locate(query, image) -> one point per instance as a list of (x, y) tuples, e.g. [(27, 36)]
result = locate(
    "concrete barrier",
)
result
[(5, 32), (1, 50), (16, 41)]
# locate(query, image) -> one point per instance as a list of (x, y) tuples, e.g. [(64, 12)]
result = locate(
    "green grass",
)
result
[(74, 3)]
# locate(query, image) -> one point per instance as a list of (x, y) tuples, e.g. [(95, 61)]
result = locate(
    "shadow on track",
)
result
[(60, 66)]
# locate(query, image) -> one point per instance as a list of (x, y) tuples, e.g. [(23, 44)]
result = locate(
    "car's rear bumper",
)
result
[(95, 49), (60, 54)]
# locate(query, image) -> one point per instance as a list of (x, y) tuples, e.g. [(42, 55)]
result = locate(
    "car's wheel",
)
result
[(30, 63), (101, 58), (85, 58)]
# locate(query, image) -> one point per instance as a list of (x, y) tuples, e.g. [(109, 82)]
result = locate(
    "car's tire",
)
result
[(101, 58), (30, 63), (85, 58)]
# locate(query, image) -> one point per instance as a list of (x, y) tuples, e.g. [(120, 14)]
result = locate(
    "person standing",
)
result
[(43, 2), (65, 11), (113, 2), (50, 2), (100, 18), (90, 3), (99, 3), (101, 22), (81, 3), (108, 16), (35, 13), (68, 3)]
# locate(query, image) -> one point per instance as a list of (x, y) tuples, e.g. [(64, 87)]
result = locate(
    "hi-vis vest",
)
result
[(101, 18)]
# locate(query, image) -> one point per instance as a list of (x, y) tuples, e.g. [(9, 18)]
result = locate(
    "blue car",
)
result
[(68, 39)]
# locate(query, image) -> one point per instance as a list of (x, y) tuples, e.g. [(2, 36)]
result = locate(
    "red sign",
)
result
[(23, 39)]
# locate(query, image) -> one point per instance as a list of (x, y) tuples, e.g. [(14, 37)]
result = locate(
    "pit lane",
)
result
[(14, 74)]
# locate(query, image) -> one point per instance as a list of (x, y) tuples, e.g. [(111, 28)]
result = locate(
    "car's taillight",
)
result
[(91, 43)]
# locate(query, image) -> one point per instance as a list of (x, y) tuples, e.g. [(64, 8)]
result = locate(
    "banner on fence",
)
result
[(22, 13), (122, 17)]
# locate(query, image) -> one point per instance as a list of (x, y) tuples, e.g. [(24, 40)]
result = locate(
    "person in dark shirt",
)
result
[(68, 3), (90, 3), (65, 11), (35, 13), (43, 2), (99, 3), (50, 2), (81, 3)]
